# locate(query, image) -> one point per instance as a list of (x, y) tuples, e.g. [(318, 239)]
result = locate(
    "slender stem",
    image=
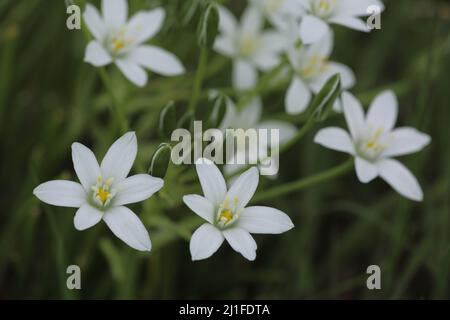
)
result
[(116, 106), (199, 79), (304, 183)]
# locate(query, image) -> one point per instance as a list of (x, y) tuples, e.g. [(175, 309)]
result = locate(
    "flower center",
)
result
[(272, 6), (117, 43), (248, 44), (102, 192), (323, 8), (315, 66), (227, 215), (371, 147)]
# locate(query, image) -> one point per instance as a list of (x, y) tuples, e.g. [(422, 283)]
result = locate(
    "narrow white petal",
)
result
[(354, 114), (335, 139), (383, 111), (128, 227), (228, 23), (365, 170), (145, 24), (94, 22), (245, 75), (201, 206), (87, 217), (86, 165), (157, 60), (132, 71), (266, 61), (400, 179), (406, 141), (252, 20), (115, 12), (136, 188), (243, 189), (250, 115), (61, 193), (120, 157), (348, 79), (350, 22), (205, 241), (312, 29), (264, 220), (273, 42), (96, 55), (286, 130), (241, 241), (225, 45), (212, 181), (298, 97)]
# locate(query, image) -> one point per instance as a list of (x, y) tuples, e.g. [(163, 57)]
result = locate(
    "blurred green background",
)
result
[(50, 98)]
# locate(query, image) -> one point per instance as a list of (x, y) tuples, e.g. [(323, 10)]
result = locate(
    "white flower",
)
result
[(248, 45), (250, 118), (373, 141), (104, 190), (312, 69), (227, 214), (276, 11), (319, 13), (121, 42)]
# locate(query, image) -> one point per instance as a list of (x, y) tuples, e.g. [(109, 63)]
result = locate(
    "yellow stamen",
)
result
[(103, 195), (226, 216)]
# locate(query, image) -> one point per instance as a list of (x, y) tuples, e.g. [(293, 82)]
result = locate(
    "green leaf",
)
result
[(325, 99), (187, 121), (208, 27), (160, 161), (167, 120)]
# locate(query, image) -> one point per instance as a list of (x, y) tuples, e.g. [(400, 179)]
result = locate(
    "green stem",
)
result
[(199, 79), (116, 106), (304, 183)]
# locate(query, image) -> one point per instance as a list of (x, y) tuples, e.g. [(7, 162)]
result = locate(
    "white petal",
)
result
[(94, 22), (128, 228), (157, 60), (401, 179), (225, 45), (86, 165), (266, 60), (250, 115), (312, 29), (201, 206), (357, 7), (406, 141), (273, 42), (228, 23), (335, 139), (244, 188), (244, 75), (252, 20), (61, 193), (323, 47), (135, 73), (115, 12), (241, 241), (354, 114), (383, 111), (298, 97), (211, 180), (87, 217), (205, 241), (365, 170), (120, 157), (350, 22), (136, 188), (347, 76), (145, 24), (96, 55), (264, 220)]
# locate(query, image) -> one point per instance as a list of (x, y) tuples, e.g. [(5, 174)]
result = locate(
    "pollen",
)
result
[(226, 216), (103, 195)]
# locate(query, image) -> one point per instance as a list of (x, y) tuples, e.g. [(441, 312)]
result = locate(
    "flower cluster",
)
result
[(291, 42)]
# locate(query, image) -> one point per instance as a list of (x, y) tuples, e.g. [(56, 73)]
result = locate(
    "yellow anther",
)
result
[(226, 216), (103, 195)]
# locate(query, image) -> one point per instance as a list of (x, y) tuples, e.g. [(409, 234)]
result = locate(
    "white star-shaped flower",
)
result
[(122, 42), (312, 69), (250, 47), (373, 142), (321, 13), (227, 214), (104, 190)]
